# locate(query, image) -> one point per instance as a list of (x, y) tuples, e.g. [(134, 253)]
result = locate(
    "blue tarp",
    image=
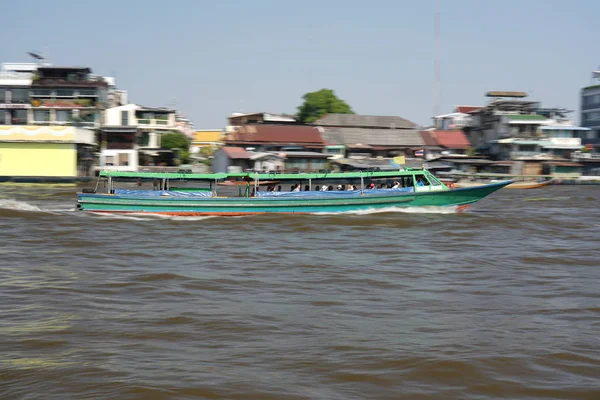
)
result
[(336, 193), (156, 193)]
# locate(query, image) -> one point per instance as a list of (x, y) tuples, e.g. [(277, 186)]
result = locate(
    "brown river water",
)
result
[(500, 302)]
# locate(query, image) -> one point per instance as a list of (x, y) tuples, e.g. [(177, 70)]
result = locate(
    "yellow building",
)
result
[(206, 139), (41, 151)]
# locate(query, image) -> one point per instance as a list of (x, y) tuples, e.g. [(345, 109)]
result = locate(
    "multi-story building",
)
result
[(15, 84), (590, 111), (68, 95), (132, 129), (38, 150)]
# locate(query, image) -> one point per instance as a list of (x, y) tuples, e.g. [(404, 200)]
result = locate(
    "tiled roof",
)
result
[(364, 121), (236, 152), (455, 139), (277, 134), (373, 137), (467, 109), (428, 139)]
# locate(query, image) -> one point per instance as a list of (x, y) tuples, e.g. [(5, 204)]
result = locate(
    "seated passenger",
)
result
[(279, 188), (324, 188), (371, 186), (339, 187), (396, 185), (330, 188), (306, 188), (420, 182), (297, 188)]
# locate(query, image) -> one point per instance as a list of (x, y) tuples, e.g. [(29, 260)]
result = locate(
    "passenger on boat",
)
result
[(339, 187), (420, 182), (324, 188), (297, 188), (396, 185), (330, 188), (371, 186), (279, 188), (317, 188), (306, 188)]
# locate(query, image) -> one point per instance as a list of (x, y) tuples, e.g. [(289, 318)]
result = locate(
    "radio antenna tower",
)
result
[(436, 67)]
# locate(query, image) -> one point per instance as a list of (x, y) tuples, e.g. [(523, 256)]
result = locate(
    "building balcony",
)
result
[(585, 156), (155, 123), (529, 155), (48, 82)]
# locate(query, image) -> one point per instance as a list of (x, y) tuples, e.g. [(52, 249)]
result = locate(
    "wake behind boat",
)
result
[(308, 193)]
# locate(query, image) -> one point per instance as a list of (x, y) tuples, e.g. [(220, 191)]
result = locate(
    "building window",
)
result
[(109, 160), (65, 93), (63, 115), (41, 115), (16, 117), (20, 96), (124, 118), (3, 93), (87, 92), (42, 92), (87, 116)]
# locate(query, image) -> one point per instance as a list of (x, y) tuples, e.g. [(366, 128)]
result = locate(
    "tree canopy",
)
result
[(177, 140), (317, 104)]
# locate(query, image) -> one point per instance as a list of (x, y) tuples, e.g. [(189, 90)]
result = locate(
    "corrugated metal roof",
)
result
[(365, 121), (305, 154), (565, 128), (236, 152), (526, 117), (373, 137), (277, 134)]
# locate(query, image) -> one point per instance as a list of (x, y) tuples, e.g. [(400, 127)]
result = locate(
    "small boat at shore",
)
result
[(354, 191)]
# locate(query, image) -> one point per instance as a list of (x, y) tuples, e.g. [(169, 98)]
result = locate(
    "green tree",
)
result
[(177, 140), (317, 104)]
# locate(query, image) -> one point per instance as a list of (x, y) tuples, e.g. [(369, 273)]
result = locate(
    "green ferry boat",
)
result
[(281, 193)]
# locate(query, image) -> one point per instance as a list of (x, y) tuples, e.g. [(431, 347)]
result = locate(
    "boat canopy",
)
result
[(263, 175), (162, 175)]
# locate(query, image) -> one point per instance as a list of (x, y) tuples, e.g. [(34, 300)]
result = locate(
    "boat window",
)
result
[(421, 178), (434, 181)]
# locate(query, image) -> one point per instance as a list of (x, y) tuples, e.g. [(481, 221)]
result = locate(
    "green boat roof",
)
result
[(162, 175), (261, 176)]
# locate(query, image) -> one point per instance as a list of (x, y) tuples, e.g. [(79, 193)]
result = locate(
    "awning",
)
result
[(562, 146)]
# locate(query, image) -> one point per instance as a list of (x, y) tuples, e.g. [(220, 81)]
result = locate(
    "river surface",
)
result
[(500, 302)]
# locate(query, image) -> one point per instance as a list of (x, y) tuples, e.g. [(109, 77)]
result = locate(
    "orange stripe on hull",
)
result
[(462, 208)]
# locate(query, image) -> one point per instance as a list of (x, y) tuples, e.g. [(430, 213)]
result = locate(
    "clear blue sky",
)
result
[(211, 58)]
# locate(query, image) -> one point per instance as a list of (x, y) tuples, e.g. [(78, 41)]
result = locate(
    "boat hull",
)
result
[(234, 206), (514, 185)]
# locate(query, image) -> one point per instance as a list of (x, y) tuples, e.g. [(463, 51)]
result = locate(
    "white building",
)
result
[(131, 129), (15, 84)]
